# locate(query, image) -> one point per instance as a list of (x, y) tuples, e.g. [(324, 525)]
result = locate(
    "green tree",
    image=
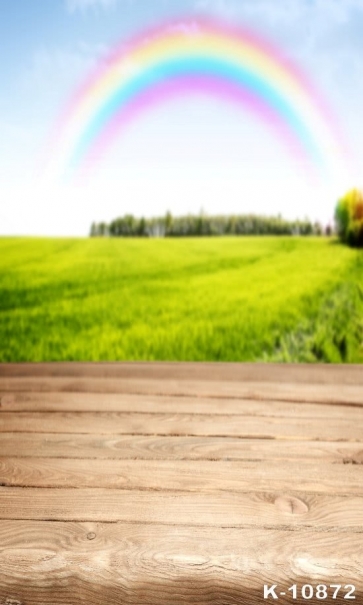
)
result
[(168, 223), (142, 227), (103, 229)]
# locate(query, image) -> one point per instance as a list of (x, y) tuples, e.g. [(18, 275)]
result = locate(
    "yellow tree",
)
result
[(349, 218)]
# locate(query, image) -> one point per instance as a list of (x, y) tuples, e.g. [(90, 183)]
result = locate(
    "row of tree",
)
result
[(203, 225)]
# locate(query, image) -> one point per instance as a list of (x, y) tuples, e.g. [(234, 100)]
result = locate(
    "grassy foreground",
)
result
[(224, 299)]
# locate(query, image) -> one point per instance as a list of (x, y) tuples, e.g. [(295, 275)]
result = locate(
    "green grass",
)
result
[(246, 298)]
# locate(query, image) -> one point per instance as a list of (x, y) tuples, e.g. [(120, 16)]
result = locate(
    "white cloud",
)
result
[(303, 25), (73, 6), (284, 10)]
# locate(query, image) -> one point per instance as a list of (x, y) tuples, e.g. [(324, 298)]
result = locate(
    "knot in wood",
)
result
[(357, 458), (91, 535), (291, 505)]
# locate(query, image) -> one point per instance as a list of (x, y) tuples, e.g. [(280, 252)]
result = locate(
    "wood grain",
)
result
[(187, 475), (309, 393), (206, 371), (183, 424), (112, 402), (158, 565), (150, 447), (182, 508)]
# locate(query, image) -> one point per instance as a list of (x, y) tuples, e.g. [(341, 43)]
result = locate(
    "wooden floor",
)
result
[(170, 484)]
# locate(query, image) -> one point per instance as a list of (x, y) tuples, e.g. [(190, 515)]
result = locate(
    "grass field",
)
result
[(246, 298)]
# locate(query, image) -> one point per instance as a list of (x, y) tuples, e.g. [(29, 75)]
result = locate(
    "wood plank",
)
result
[(141, 447), (112, 402), (183, 424), (205, 371), (70, 563), (186, 475), (141, 483), (267, 391), (225, 509)]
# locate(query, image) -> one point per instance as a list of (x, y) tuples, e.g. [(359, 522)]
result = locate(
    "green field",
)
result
[(224, 299)]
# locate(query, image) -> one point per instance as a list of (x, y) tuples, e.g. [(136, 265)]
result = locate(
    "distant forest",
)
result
[(203, 225)]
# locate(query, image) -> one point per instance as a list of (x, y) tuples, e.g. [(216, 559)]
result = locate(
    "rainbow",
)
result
[(201, 56)]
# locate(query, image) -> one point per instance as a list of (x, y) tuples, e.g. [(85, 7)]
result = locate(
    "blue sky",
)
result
[(190, 155)]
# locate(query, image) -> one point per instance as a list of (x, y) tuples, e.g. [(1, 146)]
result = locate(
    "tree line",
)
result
[(203, 225)]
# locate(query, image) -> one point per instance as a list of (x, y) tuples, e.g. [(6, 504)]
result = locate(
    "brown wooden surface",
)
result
[(170, 484)]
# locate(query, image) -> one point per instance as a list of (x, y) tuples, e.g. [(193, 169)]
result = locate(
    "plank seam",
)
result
[(333, 529), (173, 490), (201, 435), (251, 397), (204, 415)]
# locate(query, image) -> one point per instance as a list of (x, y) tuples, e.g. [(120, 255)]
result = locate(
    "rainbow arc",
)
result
[(205, 57)]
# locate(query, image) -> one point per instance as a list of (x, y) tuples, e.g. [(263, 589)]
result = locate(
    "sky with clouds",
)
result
[(187, 155)]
